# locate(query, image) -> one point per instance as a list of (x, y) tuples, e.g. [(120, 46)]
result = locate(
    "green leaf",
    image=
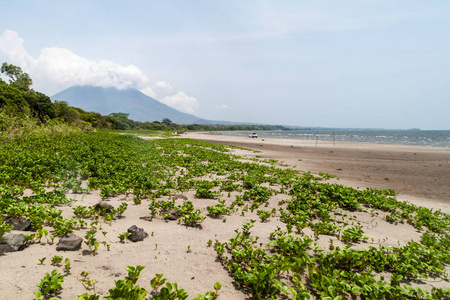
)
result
[(356, 289)]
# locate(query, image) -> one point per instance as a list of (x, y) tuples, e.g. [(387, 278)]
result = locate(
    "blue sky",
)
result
[(365, 64)]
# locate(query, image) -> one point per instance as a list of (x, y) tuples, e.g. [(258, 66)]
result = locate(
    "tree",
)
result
[(167, 121), (120, 115), (16, 75), (118, 123), (40, 104), (11, 96)]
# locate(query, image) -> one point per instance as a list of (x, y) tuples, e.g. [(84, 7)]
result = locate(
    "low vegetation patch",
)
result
[(292, 265)]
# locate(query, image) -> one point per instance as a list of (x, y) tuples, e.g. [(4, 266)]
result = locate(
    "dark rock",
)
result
[(173, 215), (137, 234), (20, 224), (103, 207), (69, 243), (12, 242)]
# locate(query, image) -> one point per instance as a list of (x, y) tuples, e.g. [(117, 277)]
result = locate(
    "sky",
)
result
[(347, 64)]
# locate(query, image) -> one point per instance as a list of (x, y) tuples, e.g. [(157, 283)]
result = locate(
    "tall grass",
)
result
[(22, 124)]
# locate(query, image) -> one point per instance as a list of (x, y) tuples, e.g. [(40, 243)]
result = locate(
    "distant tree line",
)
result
[(19, 99)]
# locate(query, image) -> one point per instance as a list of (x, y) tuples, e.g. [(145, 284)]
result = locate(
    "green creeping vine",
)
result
[(125, 288), (339, 274), (90, 239), (189, 215), (50, 284), (122, 236), (218, 209), (4, 228), (291, 265)]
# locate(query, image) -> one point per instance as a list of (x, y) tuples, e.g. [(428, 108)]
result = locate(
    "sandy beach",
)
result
[(417, 173), (420, 175)]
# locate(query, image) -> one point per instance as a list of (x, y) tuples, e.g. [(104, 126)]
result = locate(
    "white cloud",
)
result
[(12, 44), (65, 68), (149, 92), (164, 85), (181, 102)]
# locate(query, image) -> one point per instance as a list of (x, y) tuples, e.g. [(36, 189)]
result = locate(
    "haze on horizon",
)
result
[(359, 64)]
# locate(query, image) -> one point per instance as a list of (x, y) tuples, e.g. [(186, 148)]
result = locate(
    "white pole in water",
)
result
[(334, 143), (317, 136)]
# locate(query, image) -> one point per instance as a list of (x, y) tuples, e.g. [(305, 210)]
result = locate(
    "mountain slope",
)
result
[(110, 100)]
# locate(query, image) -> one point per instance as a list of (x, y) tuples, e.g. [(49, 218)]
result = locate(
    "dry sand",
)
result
[(419, 174)]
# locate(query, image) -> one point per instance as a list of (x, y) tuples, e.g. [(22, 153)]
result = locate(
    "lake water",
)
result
[(432, 138)]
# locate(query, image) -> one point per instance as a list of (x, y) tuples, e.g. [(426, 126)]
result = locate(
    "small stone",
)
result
[(103, 207), (173, 215), (69, 243), (137, 234), (12, 242)]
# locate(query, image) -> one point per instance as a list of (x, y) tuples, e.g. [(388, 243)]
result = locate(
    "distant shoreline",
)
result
[(428, 138)]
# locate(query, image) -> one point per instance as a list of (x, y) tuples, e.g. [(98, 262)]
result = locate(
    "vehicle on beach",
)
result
[(253, 135)]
